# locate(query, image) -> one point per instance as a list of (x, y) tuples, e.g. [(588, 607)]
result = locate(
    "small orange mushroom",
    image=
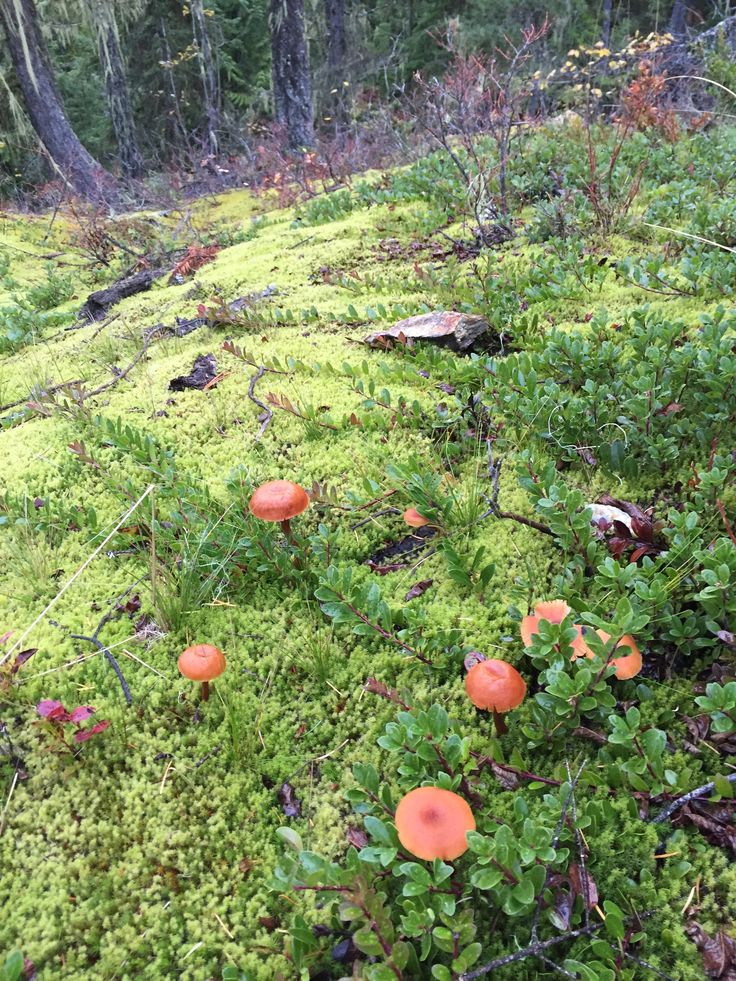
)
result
[(202, 662), (628, 665), (432, 823), (414, 519), (279, 500), (495, 685), (553, 611)]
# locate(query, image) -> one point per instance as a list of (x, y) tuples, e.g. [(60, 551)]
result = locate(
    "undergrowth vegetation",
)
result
[(560, 500)]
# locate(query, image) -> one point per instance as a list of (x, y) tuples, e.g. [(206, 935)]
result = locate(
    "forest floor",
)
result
[(150, 850)]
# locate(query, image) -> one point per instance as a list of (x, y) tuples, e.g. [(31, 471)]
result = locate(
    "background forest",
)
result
[(152, 85)]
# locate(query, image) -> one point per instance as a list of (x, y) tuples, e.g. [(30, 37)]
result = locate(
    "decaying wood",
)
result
[(98, 303)]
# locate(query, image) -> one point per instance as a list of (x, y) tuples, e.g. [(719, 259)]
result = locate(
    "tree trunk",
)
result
[(102, 17), (292, 88), (607, 22), (43, 103), (336, 67), (210, 78), (678, 19)]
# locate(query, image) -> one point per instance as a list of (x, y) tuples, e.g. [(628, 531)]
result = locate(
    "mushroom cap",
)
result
[(629, 665), (202, 662), (432, 823), (414, 519), (278, 500), (495, 685), (553, 611)]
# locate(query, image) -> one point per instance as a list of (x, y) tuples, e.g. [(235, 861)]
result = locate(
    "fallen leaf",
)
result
[(719, 952), (507, 778), (21, 658), (356, 837), (583, 884), (290, 803), (345, 952), (562, 910), (384, 570), (132, 605), (377, 687), (246, 865), (714, 822), (418, 589), (269, 923), (585, 733), (472, 658)]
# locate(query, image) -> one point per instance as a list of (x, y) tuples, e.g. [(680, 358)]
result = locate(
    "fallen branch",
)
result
[(494, 472), (686, 798), (150, 335), (111, 661), (267, 414), (533, 950), (112, 614)]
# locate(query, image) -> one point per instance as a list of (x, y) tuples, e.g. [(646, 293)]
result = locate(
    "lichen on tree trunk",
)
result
[(292, 87), (102, 17), (44, 106)]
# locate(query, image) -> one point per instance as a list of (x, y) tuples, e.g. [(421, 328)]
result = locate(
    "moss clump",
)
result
[(149, 853)]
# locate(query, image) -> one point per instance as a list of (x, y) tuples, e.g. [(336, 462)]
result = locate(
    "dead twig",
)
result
[(686, 798), (267, 414), (533, 950), (112, 614), (379, 514), (494, 472)]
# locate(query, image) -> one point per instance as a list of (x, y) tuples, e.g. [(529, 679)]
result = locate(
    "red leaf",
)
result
[(81, 713), (418, 589), (82, 735), (52, 710), (21, 658), (670, 409)]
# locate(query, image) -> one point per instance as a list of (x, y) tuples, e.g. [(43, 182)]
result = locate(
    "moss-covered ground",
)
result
[(147, 851)]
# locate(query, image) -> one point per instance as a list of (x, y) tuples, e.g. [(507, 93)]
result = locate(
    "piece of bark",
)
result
[(458, 331)]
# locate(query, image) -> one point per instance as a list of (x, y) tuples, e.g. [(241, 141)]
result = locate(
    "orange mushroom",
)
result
[(495, 685), (432, 823), (628, 665), (202, 662), (279, 500), (414, 519), (553, 611)]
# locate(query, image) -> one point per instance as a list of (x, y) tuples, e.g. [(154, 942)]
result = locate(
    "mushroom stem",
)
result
[(500, 723), (286, 528), (205, 690)]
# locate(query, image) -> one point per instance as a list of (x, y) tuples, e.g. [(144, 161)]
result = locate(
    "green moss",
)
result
[(149, 855)]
